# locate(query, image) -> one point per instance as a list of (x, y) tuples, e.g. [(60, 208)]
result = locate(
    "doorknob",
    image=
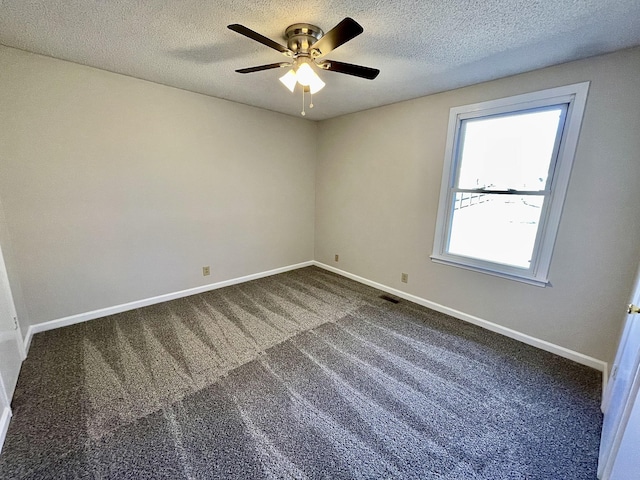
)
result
[(633, 309)]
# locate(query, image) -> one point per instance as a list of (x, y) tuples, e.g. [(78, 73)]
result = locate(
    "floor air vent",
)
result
[(389, 299)]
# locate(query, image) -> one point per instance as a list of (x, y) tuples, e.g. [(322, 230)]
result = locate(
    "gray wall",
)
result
[(377, 185), (116, 189)]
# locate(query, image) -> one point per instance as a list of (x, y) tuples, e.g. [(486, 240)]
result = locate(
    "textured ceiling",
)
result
[(420, 46)]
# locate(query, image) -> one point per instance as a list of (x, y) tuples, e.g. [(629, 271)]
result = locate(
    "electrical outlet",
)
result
[(337, 256), (405, 278), (206, 271)]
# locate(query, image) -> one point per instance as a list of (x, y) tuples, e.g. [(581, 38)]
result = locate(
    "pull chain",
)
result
[(306, 90)]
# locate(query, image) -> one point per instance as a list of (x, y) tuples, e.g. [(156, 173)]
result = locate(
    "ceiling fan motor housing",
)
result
[(300, 36)]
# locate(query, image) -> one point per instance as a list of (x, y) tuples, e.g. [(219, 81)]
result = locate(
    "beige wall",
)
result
[(116, 189), (377, 186)]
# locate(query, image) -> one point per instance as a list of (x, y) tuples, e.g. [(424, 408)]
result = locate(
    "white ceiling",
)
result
[(420, 46)]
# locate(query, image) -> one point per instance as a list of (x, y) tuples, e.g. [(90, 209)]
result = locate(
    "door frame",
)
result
[(634, 396), (5, 290), (12, 306), (5, 413), (624, 338), (634, 390), (5, 399)]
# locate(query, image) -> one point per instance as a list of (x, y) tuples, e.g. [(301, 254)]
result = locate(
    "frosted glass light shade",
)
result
[(316, 84), (289, 80), (305, 75)]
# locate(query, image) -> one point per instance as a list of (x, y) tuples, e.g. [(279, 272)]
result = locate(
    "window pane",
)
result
[(511, 151), (495, 227)]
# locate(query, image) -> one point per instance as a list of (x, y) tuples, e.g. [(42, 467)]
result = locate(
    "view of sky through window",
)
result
[(506, 152), (511, 151)]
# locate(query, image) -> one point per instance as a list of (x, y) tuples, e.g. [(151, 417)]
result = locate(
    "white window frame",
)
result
[(575, 96)]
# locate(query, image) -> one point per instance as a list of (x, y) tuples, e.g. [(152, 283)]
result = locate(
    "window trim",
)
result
[(575, 97)]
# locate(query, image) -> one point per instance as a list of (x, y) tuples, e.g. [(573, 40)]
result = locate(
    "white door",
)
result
[(620, 434), (11, 347)]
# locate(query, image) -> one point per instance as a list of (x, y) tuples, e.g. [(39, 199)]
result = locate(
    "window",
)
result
[(506, 172)]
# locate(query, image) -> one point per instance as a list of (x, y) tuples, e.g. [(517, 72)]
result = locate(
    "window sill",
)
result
[(518, 278)]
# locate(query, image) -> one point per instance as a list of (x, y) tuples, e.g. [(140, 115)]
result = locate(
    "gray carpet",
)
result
[(300, 375)]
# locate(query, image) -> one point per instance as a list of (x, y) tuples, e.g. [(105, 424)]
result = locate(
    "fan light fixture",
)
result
[(305, 76)]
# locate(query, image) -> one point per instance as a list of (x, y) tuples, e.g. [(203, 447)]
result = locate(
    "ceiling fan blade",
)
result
[(259, 68), (338, 35), (349, 69), (247, 32)]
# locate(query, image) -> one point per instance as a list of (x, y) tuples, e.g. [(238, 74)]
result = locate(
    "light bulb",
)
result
[(289, 80), (305, 75)]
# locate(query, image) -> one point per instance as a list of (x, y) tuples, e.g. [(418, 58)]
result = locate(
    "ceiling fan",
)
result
[(306, 46)]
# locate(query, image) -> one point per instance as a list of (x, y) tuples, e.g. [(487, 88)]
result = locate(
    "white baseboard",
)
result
[(522, 337), (4, 425), (103, 312), (494, 327)]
